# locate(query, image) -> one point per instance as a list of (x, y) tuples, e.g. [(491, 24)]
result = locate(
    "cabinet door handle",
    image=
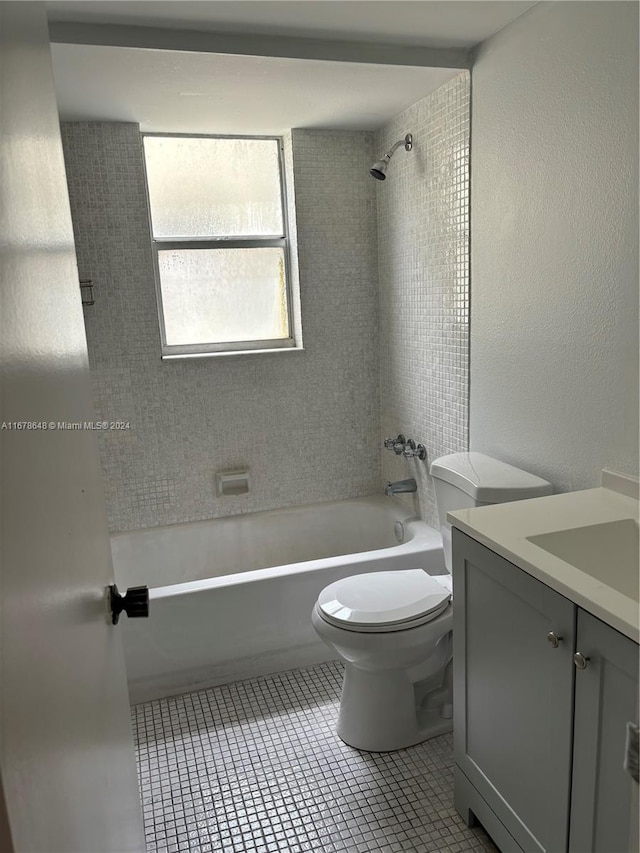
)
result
[(553, 639), (580, 660)]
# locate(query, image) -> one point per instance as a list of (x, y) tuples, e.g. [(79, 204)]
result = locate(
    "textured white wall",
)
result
[(554, 250), (423, 263)]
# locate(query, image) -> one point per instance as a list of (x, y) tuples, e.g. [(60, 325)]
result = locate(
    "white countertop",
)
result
[(504, 528)]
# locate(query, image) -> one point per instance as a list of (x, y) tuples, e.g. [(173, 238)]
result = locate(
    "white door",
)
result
[(66, 749)]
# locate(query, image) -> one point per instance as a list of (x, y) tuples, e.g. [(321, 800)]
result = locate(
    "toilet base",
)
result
[(379, 712)]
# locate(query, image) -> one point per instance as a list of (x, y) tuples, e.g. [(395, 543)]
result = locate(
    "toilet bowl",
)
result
[(393, 629), (393, 632)]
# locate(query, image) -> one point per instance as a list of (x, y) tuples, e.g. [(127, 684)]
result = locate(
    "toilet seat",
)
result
[(383, 601)]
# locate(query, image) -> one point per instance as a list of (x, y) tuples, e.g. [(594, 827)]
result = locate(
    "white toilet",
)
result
[(393, 629)]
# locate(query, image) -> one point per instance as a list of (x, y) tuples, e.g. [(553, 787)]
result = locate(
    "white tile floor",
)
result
[(256, 767)]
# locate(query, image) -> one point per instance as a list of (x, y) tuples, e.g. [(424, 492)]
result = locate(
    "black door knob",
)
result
[(135, 602)]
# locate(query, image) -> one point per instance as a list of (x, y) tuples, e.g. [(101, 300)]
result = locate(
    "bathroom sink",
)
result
[(607, 552)]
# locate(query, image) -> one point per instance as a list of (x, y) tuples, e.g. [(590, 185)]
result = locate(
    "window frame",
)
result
[(231, 242)]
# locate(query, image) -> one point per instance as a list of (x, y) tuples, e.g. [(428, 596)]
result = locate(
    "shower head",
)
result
[(379, 168)]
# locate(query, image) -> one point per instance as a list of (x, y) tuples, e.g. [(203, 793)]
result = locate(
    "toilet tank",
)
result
[(464, 480)]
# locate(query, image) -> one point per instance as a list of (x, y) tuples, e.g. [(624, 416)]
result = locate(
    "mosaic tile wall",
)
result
[(423, 262), (306, 424)]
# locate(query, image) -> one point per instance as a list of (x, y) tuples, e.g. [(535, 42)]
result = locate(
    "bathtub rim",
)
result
[(424, 538)]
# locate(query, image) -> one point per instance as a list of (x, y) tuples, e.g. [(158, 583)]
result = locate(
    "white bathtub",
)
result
[(231, 598)]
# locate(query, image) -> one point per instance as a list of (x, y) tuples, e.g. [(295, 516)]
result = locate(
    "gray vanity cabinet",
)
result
[(513, 706), (539, 739), (604, 810)]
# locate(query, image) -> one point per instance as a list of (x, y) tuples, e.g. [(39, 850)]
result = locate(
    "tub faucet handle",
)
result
[(414, 451), (397, 444)]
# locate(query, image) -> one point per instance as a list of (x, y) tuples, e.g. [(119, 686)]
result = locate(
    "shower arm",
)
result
[(408, 145)]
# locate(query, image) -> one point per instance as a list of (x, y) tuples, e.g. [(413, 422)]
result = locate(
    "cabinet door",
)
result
[(603, 813), (513, 696)]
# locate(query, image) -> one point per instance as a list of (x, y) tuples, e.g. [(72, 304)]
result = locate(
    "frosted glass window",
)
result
[(220, 242), (214, 296), (207, 187)]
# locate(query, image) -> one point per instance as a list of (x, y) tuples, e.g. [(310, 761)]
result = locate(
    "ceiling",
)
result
[(196, 92), (446, 23), (176, 91)]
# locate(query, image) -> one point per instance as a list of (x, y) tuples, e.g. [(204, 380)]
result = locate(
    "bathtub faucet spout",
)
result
[(401, 486)]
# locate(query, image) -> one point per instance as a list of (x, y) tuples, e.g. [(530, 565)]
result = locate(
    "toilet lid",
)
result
[(383, 600)]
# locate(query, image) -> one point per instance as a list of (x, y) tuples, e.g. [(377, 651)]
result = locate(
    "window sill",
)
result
[(230, 353)]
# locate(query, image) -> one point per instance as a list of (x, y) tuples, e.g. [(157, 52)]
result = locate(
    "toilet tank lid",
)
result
[(488, 480)]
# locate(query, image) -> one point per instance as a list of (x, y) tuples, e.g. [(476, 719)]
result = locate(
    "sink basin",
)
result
[(607, 552)]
